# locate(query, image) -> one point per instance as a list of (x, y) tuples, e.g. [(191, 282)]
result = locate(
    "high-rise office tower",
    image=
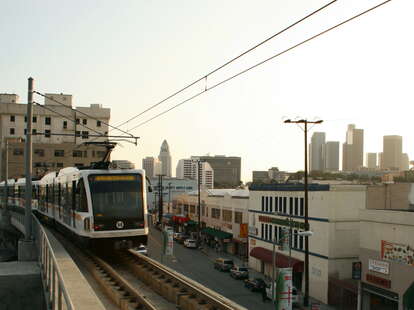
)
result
[(371, 160), (152, 166), (165, 159), (392, 150), (332, 156), (381, 160), (316, 154), (226, 169), (353, 149), (184, 169), (405, 162)]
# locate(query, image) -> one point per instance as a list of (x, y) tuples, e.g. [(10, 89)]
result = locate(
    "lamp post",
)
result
[(305, 122)]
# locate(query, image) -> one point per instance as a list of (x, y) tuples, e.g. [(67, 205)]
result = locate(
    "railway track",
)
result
[(134, 281)]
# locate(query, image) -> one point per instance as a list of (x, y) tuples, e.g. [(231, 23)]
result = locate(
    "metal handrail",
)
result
[(51, 274)]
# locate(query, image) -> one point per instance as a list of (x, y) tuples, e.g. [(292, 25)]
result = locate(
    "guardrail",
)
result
[(64, 285)]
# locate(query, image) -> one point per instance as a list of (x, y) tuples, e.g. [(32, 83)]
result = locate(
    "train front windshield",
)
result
[(117, 197)]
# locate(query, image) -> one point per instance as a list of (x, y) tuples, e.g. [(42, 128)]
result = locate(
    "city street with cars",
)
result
[(199, 265)]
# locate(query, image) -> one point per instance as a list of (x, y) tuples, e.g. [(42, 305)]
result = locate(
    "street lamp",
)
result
[(305, 122)]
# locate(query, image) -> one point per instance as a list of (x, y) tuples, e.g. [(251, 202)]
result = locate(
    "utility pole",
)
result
[(169, 196), (28, 164), (306, 122), (160, 202)]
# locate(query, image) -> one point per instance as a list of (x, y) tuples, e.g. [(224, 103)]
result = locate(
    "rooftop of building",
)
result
[(220, 192), (288, 187)]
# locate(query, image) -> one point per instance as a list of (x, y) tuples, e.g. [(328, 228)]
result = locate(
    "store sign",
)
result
[(282, 222), (396, 252), (379, 281), (252, 231), (379, 266)]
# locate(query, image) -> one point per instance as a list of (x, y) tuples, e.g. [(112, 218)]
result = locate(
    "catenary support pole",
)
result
[(28, 164), (306, 299), (198, 206)]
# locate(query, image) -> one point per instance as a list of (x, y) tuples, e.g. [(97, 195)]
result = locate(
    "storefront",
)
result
[(218, 239), (281, 261)]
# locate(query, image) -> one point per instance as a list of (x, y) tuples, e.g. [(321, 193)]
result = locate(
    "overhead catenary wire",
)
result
[(204, 77), (83, 113), (263, 62)]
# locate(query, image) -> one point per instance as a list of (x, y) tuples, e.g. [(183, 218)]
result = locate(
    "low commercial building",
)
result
[(334, 221), (224, 217), (387, 248)]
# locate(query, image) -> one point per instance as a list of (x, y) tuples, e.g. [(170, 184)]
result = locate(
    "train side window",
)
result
[(81, 202)]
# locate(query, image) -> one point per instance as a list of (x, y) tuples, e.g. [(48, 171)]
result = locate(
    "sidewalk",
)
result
[(212, 254)]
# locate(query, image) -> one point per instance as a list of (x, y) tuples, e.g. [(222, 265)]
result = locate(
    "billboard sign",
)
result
[(284, 289), (168, 241)]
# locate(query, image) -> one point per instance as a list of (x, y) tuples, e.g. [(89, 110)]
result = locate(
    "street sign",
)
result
[(356, 270)]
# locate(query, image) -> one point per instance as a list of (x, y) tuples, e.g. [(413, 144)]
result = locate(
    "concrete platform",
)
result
[(21, 286)]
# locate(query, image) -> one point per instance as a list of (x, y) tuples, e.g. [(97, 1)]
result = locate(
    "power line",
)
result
[(264, 61), (228, 62), (78, 111)]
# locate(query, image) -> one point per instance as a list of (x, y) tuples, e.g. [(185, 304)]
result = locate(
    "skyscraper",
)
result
[(317, 150), (353, 149), (371, 160), (226, 169), (165, 159), (183, 170), (332, 156), (405, 162), (392, 152), (152, 166)]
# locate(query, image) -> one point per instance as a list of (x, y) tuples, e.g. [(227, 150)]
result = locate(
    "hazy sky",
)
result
[(128, 55)]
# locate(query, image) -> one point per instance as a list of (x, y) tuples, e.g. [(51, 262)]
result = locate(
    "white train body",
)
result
[(95, 206)]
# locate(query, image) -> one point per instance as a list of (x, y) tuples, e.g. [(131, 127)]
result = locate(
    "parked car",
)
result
[(294, 293), (190, 243), (177, 235), (239, 272), (255, 284), (142, 249), (182, 238), (223, 264)]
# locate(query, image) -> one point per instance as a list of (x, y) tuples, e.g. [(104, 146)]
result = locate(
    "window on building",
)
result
[(39, 152), (301, 213), (65, 125), (77, 121), (48, 120), (215, 213), (25, 119), (77, 153), (285, 205), (296, 206), (34, 119), (238, 217), (290, 205), (18, 152), (301, 242), (34, 131), (276, 235), (85, 121), (263, 203), (59, 165), (271, 204), (77, 133), (267, 204), (276, 204), (59, 153), (25, 131), (280, 204), (12, 118), (47, 133), (85, 134), (295, 239), (98, 124), (270, 232), (227, 215), (12, 131), (262, 232), (266, 232)]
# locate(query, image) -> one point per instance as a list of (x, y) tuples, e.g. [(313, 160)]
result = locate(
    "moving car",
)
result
[(142, 249), (239, 272), (255, 284), (223, 264), (190, 243)]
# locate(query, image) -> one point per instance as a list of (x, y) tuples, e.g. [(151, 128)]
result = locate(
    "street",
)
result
[(199, 267)]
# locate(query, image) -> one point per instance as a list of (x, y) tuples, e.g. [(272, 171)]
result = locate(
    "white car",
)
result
[(142, 249), (190, 243)]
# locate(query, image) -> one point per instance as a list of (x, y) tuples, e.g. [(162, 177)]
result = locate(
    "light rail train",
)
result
[(95, 206)]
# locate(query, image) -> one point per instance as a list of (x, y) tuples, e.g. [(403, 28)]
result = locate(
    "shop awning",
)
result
[(281, 260), (191, 222), (217, 233)]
